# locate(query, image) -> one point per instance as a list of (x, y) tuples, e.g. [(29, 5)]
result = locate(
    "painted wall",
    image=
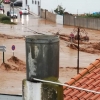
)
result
[(43, 13), (50, 16), (31, 90), (59, 19), (92, 23), (34, 6), (41, 91), (24, 4)]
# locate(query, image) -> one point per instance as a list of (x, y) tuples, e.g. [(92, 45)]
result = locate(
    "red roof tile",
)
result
[(89, 79)]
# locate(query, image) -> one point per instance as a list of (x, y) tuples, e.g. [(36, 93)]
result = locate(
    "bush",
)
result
[(5, 18), (2, 15), (92, 16), (6, 21)]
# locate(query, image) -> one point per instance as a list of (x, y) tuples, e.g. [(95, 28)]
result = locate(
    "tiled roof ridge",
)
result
[(82, 73)]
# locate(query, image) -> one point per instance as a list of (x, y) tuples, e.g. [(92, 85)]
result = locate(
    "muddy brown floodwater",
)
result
[(13, 72)]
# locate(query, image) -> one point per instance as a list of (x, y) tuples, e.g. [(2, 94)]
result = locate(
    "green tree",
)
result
[(59, 10)]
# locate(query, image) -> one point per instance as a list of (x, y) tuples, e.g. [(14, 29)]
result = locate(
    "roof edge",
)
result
[(82, 73)]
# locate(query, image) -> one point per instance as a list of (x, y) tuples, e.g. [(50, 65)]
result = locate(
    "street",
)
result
[(11, 81), (30, 24)]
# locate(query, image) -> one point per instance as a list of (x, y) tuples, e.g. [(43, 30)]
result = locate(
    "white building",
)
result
[(71, 6), (32, 5)]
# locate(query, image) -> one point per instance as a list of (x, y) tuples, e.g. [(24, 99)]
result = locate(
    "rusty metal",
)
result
[(78, 51), (79, 37), (82, 31)]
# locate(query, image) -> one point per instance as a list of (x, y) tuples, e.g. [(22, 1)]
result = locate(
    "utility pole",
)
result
[(13, 11), (78, 50)]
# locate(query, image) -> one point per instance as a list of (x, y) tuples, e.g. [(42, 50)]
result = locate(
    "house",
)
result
[(73, 7), (88, 79), (34, 6)]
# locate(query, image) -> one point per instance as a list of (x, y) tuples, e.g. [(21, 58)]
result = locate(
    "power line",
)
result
[(74, 87)]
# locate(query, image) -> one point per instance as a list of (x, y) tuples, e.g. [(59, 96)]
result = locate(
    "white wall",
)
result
[(59, 19), (24, 5), (33, 7), (32, 91)]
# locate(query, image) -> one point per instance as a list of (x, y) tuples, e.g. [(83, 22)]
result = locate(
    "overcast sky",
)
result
[(73, 6)]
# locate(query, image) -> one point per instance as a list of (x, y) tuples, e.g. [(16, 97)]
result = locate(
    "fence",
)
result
[(68, 19), (43, 13), (51, 16), (93, 23)]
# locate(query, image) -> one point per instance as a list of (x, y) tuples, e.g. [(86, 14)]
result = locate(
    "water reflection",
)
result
[(46, 22), (14, 20), (1, 12), (22, 19), (25, 19)]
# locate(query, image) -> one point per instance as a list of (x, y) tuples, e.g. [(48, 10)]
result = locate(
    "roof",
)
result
[(10, 97), (89, 79)]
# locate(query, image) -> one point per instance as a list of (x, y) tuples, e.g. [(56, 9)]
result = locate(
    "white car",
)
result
[(24, 11), (13, 14)]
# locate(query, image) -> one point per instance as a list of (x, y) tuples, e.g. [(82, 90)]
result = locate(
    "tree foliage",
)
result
[(92, 15), (59, 10)]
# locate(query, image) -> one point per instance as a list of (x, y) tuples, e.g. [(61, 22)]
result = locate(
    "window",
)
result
[(32, 1), (26, 1), (38, 3), (35, 2)]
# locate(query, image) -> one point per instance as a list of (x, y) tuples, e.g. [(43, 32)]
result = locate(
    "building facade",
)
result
[(70, 6), (34, 6)]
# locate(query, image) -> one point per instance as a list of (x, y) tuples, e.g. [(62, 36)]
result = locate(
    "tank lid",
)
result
[(42, 38)]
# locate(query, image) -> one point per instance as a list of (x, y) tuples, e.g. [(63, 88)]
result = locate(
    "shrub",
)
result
[(2, 15), (6, 21), (5, 18)]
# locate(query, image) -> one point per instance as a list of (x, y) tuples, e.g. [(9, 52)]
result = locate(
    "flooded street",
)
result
[(11, 80), (30, 24)]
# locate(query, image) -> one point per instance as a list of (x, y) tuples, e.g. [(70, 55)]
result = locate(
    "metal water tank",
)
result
[(42, 56)]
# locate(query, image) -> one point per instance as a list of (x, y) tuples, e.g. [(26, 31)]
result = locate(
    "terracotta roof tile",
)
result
[(96, 97), (69, 97), (90, 95), (89, 79), (68, 91), (96, 71), (96, 77), (96, 83)]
